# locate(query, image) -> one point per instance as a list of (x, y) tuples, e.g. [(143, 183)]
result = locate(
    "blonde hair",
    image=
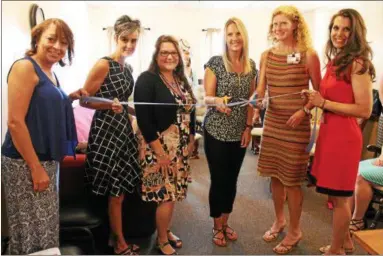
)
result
[(245, 50), (301, 33)]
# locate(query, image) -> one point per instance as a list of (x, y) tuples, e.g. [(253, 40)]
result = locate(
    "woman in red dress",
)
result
[(345, 95)]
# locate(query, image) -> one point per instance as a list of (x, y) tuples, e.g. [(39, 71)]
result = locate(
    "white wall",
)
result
[(187, 22), (16, 40)]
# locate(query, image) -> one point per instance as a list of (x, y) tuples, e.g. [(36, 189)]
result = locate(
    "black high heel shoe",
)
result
[(176, 243), (162, 245)]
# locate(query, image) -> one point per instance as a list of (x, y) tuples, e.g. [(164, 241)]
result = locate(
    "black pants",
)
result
[(224, 160)]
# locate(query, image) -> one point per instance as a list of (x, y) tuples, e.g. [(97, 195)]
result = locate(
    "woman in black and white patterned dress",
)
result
[(112, 155)]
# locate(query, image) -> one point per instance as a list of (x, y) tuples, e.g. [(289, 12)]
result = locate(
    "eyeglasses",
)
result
[(166, 54)]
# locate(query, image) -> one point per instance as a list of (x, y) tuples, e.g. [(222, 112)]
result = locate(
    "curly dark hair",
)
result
[(179, 71), (62, 30), (357, 46)]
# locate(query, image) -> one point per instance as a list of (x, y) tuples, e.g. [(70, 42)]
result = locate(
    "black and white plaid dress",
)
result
[(112, 166)]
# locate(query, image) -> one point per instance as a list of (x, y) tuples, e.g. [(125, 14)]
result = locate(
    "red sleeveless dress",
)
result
[(339, 144)]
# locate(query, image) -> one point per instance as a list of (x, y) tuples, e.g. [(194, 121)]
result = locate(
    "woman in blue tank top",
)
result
[(41, 131)]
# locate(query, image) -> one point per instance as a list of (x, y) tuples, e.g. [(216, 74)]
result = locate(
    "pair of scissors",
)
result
[(225, 99)]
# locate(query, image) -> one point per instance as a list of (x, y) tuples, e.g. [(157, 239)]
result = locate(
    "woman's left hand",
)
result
[(246, 136), (314, 97), (78, 94), (296, 119), (378, 162)]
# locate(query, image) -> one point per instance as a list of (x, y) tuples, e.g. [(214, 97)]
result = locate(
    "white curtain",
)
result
[(140, 59), (111, 42), (212, 42)]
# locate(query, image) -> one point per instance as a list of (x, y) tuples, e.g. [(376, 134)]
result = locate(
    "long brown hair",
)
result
[(62, 30), (179, 71), (357, 46)]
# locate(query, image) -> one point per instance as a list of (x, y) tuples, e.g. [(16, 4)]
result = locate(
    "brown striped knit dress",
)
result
[(283, 154)]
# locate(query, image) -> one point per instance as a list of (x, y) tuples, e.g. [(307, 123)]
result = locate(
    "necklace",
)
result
[(173, 86)]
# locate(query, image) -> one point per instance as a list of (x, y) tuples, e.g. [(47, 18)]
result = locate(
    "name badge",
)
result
[(185, 117), (294, 58)]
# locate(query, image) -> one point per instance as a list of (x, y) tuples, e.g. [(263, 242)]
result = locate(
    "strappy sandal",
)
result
[(356, 225), (270, 236), (222, 239), (176, 243), (127, 251), (287, 248), (161, 246), (324, 249), (231, 235), (112, 243)]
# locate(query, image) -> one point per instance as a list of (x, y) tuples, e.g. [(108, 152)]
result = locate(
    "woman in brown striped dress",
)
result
[(286, 69)]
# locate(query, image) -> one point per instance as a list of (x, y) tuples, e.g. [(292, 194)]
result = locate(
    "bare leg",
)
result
[(363, 196), (295, 201), (163, 217), (341, 220), (115, 220), (279, 197)]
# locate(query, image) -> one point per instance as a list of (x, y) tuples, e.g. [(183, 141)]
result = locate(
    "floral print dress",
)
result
[(171, 184)]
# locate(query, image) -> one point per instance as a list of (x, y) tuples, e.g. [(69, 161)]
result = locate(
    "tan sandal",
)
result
[(231, 234), (222, 239), (287, 248), (324, 249), (270, 235)]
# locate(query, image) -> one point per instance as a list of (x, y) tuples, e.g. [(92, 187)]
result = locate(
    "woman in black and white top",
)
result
[(227, 129), (112, 167)]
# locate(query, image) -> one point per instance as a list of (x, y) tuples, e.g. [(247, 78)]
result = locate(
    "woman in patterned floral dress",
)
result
[(167, 135), (112, 156)]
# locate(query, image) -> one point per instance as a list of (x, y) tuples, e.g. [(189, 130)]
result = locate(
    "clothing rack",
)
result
[(212, 29)]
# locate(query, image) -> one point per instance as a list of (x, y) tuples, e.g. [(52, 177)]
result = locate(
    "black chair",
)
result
[(84, 216), (78, 219), (377, 197)]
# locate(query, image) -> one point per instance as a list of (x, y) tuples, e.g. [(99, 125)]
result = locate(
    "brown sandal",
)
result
[(270, 236), (287, 248), (231, 235), (222, 239), (324, 249)]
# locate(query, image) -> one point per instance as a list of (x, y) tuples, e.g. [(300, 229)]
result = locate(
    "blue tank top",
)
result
[(50, 121)]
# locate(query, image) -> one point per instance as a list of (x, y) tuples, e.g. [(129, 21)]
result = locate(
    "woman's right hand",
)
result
[(116, 106), (256, 116), (220, 101), (40, 179), (163, 161)]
